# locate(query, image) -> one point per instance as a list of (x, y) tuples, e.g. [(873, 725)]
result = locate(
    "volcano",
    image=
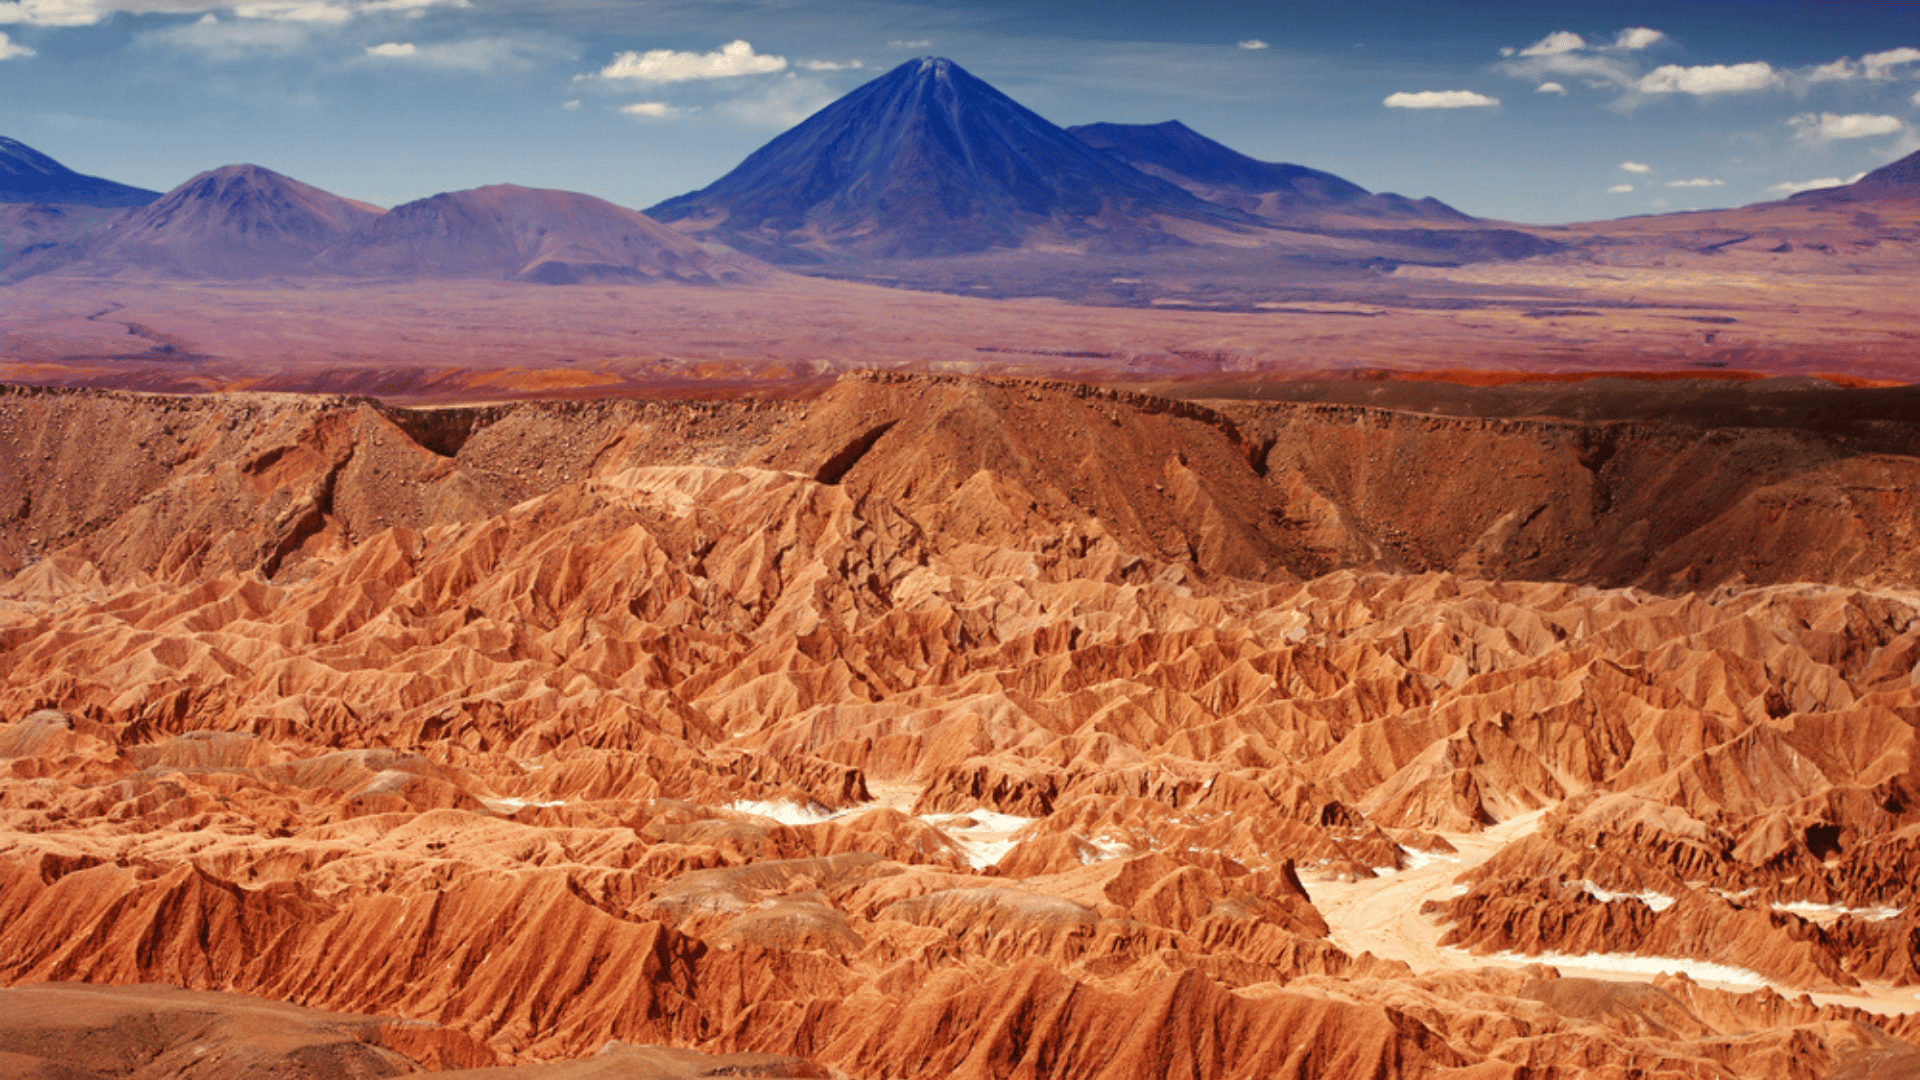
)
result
[(928, 160), (1288, 194), (236, 222), (29, 176), (515, 233)]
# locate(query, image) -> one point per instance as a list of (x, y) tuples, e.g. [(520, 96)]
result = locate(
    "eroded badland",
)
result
[(955, 726)]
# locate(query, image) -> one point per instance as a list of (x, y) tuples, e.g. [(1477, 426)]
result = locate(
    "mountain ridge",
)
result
[(1275, 191)]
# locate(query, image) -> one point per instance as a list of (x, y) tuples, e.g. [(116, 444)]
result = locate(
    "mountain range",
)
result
[(921, 171)]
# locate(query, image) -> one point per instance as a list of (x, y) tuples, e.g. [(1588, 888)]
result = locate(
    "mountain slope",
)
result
[(1285, 193), (1897, 180), (525, 234), (29, 176), (236, 222), (929, 160)]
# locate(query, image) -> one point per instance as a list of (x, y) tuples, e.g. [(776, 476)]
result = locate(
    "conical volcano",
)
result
[(29, 176), (928, 160)]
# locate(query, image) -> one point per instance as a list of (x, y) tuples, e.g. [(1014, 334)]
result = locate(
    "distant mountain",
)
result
[(29, 176), (236, 222), (929, 160), (1287, 194), (1899, 180), (524, 234)]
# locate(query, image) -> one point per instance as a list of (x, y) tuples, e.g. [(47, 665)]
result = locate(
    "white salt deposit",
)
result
[(1416, 860), (1654, 900), (1817, 911), (784, 811), (983, 834), (510, 805), (1625, 964)]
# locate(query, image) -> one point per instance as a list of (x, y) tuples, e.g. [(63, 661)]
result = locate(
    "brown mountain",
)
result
[(1898, 180), (526, 234), (236, 222)]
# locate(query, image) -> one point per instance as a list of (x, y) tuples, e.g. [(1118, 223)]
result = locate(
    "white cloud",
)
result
[(8, 50), (733, 59), (1439, 99), (1560, 41), (832, 65), (1638, 168), (917, 43), (651, 110), (1635, 38), (1550, 88), (1880, 65), (1826, 126), (481, 54), (1916, 97), (571, 106), (392, 48), (55, 12), (1619, 189), (1696, 182), (1253, 43), (1793, 186), (1707, 78)]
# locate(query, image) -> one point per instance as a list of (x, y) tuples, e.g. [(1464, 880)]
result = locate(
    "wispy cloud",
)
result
[(1619, 189), (1440, 99), (1825, 127), (1638, 168), (1550, 88), (779, 104), (9, 50), (230, 39), (89, 12), (652, 110), (1253, 44), (473, 54), (1696, 182), (832, 65), (916, 43), (734, 59), (1791, 187)]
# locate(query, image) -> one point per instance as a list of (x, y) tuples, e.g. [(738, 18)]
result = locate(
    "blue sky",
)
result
[(1538, 113)]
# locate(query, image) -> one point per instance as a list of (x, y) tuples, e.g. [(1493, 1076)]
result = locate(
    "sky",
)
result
[(1523, 112)]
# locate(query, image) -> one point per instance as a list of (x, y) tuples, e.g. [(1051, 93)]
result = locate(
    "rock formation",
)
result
[(944, 727)]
